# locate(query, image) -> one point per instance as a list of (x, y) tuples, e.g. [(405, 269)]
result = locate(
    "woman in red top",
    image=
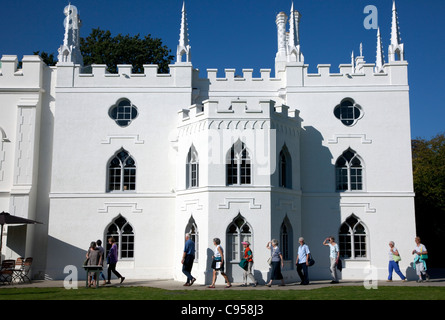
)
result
[(248, 255)]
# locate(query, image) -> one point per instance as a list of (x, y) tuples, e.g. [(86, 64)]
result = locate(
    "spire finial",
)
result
[(396, 49), (69, 51), (379, 58), (294, 53), (183, 45)]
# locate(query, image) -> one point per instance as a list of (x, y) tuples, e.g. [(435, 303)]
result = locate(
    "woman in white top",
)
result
[(421, 255), (334, 255), (218, 263), (394, 263)]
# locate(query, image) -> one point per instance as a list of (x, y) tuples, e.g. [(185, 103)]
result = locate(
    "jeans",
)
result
[(302, 270), (187, 267), (112, 268), (394, 266)]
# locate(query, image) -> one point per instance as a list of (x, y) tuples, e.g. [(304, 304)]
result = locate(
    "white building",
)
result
[(148, 157)]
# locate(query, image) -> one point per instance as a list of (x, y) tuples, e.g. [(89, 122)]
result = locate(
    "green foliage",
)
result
[(429, 186), (47, 58), (100, 47)]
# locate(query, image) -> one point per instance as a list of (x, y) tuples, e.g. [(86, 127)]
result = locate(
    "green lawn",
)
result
[(147, 293)]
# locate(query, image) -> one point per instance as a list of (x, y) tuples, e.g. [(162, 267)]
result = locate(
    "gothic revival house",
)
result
[(148, 157)]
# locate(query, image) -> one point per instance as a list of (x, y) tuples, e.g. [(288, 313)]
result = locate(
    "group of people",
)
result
[(276, 262), (303, 261), (95, 257), (420, 256)]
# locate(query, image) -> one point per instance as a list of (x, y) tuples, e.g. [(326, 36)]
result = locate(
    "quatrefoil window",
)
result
[(123, 112)]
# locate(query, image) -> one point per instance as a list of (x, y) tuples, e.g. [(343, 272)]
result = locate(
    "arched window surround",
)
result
[(353, 239), (349, 172), (123, 233), (192, 168), (238, 165), (285, 168), (192, 228), (238, 230), (121, 172)]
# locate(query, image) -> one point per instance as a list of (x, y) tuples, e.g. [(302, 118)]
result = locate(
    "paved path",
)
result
[(437, 279)]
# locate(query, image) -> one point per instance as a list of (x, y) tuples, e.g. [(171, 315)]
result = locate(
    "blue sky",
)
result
[(242, 34)]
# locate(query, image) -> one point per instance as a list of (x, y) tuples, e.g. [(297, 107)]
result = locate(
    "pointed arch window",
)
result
[(192, 228), (285, 168), (349, 172), (123, 234), (239, 169), (192, 169), (286, 239), (353, 239), (237, 232), (122, 172)]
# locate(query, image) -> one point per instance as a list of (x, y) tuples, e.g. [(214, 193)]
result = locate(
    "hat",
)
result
[(246, 242)]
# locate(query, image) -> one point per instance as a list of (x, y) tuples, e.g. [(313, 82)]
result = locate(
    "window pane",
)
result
[(123, 113)]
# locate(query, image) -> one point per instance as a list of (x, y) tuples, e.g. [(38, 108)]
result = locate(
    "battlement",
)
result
[(97, 75), (238, 110), (29, 76)]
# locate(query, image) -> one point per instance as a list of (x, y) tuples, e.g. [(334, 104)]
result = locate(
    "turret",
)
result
[(69, 51)]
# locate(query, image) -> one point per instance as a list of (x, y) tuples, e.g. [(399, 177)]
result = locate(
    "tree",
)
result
[(100, 47), (47, 58), (429, 186)]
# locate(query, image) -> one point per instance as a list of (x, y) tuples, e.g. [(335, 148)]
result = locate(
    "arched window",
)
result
[(122, 172), (123, 234), (285, 168), (194, 236), (353, 240), (348, 112), (238, 165), (237, 232), (123, 112), (349, 172), (286, 239), (192, 169)]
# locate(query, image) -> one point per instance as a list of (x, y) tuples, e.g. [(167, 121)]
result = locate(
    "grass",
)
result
[(147, 293)]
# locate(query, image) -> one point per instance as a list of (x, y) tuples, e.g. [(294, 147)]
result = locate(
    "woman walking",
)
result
[(248, 256), (218, 263), (394, 258), (277, 262), (112, 259), (334, 255)]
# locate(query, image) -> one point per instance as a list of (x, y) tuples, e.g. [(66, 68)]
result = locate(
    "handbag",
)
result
[(339, 265), (311, 260), (243, 263), (269, 261), (396, 258)]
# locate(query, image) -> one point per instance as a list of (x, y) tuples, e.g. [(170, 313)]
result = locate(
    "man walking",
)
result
[(188, 257)]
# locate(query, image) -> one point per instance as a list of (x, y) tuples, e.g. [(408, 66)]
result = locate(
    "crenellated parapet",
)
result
[(238, 115), (28, 76), (98, 76)]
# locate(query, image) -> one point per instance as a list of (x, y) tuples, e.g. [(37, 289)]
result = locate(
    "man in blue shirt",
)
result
[(187, 260), (302, 262)]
